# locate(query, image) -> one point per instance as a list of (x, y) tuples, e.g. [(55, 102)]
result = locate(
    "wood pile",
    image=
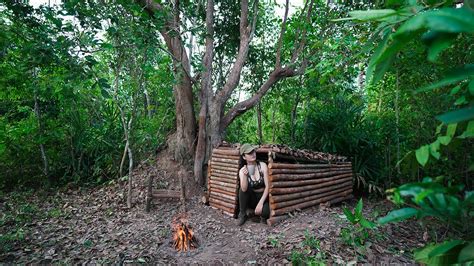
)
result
[(223, 179), (298, 179)]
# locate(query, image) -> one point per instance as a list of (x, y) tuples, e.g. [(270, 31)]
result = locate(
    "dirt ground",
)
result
[(93, 225)]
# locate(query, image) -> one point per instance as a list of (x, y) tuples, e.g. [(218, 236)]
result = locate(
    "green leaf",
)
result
[(398, 215), (471, 87), (366, 223), (455, 90), (422, 154), (374, 58), (467, 253), (469, 132), (358, 208), (349, 215), (438, 128), (434, 149), (445, 140), (461, 100), (457, 116), (423, 255), (451, 20), (453, 76), (451, 130), (443, 248), (377, 14), (437, 42)]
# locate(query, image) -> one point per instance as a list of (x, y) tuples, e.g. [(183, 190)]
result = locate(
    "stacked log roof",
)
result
[(297, 178)]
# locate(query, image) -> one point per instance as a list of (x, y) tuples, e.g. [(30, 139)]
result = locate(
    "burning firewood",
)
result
[(183, 235)]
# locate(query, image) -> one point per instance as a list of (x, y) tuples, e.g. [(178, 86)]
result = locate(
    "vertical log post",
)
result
[(149, 194)]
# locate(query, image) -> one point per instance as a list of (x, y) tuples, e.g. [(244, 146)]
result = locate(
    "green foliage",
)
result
[(57, 91), (357, 233), (431, 199), (309, 252), (275, 241), (438, 28)]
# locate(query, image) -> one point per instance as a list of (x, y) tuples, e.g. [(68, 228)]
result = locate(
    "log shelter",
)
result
[(298, 179)]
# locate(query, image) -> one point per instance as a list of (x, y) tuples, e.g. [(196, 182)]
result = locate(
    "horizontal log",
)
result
[(298, 183), (224, 179), (223, 184), (286, 197), (234, 152), (231, 168), (223, 156), (222, 203), (218, 190), (230, 201), (276, 219), (337, 200), (307, 204), (222, 208), (307, 170), (300, 178), (226, 172), (228, 189), (217, 194), (230, 161), (264, 150), (340, 192), (306, 166), (225, 165), (325, 182), (233, 177), (166, 194), (283, 157)]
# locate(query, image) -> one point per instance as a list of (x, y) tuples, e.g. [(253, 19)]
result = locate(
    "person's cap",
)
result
[(246, 148)]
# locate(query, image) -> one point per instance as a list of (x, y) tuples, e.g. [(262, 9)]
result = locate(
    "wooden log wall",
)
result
[(298, 179), (223, 179), (298, 186)]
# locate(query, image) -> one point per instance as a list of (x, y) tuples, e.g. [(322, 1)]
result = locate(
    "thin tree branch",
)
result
[(254, 20), (280, 39), (234, 77), (302, 43), (241, 107)]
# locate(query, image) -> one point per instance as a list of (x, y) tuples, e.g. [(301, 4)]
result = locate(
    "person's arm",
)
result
[(259, 208), (243, 178)]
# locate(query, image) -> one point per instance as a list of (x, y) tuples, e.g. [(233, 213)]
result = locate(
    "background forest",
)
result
[(74, 76), (86, 88)]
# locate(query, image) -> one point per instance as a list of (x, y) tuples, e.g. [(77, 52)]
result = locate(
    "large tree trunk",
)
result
[(183, 144), (206, 90)]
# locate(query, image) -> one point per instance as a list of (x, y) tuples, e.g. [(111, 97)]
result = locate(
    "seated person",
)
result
[(253, 191)]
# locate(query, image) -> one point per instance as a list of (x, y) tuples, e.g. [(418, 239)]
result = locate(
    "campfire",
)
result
[(183, 235)]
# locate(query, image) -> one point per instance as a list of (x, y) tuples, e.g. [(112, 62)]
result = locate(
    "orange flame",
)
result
[(183, 237)]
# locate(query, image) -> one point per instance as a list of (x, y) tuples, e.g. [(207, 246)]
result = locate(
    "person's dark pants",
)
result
[(250, 199)]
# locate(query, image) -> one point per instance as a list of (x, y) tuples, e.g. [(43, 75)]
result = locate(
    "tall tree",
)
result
[(213, 102)]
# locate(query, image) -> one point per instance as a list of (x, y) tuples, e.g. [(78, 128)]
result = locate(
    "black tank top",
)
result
[(260, 183)]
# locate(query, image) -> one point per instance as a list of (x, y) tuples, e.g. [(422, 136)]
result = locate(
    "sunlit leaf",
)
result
[(398, 215), (378, 14), (451, 130), (422, 154)]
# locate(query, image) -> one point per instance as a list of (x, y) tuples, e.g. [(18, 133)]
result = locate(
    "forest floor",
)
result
[(93, 225)]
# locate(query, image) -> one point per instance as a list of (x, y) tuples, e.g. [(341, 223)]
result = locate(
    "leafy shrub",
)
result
[(358, 232)]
